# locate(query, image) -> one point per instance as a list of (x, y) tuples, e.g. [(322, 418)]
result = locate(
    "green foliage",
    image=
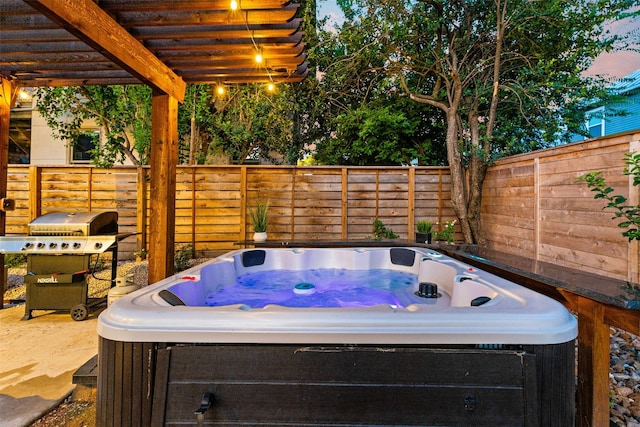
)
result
[(259, 216), (380, 231), (446, 234), (141, 254), (15, 260), (373, 135), (629, 213), (184, 254), (123, 114), (424, 226), (196, 108), (250, 123)]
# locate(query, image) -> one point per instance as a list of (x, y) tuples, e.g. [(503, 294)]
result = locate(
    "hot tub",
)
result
[(349, 336)]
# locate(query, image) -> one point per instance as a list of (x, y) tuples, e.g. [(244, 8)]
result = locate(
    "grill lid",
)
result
[(74, 224), (67, 233)]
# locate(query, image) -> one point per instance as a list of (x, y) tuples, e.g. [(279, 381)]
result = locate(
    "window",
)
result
[(81, 149), (595, 122)]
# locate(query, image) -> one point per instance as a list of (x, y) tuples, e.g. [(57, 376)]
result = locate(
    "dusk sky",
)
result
[(619, 64)]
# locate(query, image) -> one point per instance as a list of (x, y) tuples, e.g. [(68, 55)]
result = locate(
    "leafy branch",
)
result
[(630, 213), (380, 231)]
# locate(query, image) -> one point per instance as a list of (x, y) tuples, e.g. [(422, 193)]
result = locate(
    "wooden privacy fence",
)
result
[(534, 207), (212, 202), (532, 204)]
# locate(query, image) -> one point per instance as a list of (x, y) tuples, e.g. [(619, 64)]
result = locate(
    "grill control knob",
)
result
[(27, 245), (41, 245), (76, 245), (53, 245), (64, 245), (98, 245)]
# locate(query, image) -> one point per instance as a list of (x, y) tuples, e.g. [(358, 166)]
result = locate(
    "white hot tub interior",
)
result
[(431, 279)]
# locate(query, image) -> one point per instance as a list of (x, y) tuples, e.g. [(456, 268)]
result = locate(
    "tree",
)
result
[(506, 75), (251, 122), (366, 118), (194, 123), (380, 135), (122, 112)]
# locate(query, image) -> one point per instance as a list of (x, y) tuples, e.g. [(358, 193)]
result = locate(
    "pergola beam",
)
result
[(7, 98), (87, 21), (164, 155)]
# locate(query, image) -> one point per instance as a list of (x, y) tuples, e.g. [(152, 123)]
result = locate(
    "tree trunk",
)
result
[(477, 172), (458, 181)]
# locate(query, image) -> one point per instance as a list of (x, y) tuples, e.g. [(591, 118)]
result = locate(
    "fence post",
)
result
[(141, 213), (243, 204), (35, 192), (536, 208), (7, 96), (292, 208), (411, 207), (633, 269), (344, 203), (193, 207), (90, 188)]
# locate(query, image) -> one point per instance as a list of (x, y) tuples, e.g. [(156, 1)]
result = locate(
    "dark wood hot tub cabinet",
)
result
[(156, 384)]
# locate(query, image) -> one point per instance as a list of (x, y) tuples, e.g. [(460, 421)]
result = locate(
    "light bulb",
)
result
[(271, 87), (220, 90), (233, 5), (259, 57)]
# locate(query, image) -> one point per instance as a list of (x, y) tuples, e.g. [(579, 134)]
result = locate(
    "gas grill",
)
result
[(59, 247)]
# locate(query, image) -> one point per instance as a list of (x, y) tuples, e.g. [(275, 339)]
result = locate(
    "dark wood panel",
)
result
[(349, 404), (327, 385)]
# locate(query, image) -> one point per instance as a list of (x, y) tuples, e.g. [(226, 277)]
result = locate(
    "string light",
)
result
[(24, 95), (220, 90), (259, 58)]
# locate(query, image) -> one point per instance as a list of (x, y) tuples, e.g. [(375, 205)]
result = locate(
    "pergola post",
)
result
[(164, 159), (7, 97)]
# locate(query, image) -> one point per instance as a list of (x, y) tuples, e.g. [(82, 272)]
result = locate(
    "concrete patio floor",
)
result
[(37, 360)]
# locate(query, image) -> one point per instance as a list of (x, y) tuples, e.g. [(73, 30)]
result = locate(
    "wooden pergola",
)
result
[(161, 43)]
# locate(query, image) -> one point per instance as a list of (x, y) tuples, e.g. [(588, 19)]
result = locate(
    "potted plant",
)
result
[(259, 216), (423, 233)]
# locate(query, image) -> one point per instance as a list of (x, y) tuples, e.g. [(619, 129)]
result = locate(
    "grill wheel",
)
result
[(79, 312)]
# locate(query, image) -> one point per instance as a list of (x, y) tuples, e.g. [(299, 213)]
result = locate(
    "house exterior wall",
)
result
[(614, 123), (45, 149), (626, 123)]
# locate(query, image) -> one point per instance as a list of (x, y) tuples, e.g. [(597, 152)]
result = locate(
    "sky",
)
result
[(613, 65), (619, 64)]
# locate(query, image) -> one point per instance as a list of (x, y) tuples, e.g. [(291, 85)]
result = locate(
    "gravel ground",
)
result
[(79, 411)]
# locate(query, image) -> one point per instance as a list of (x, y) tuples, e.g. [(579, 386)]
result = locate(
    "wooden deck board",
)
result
[(87, 374)]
